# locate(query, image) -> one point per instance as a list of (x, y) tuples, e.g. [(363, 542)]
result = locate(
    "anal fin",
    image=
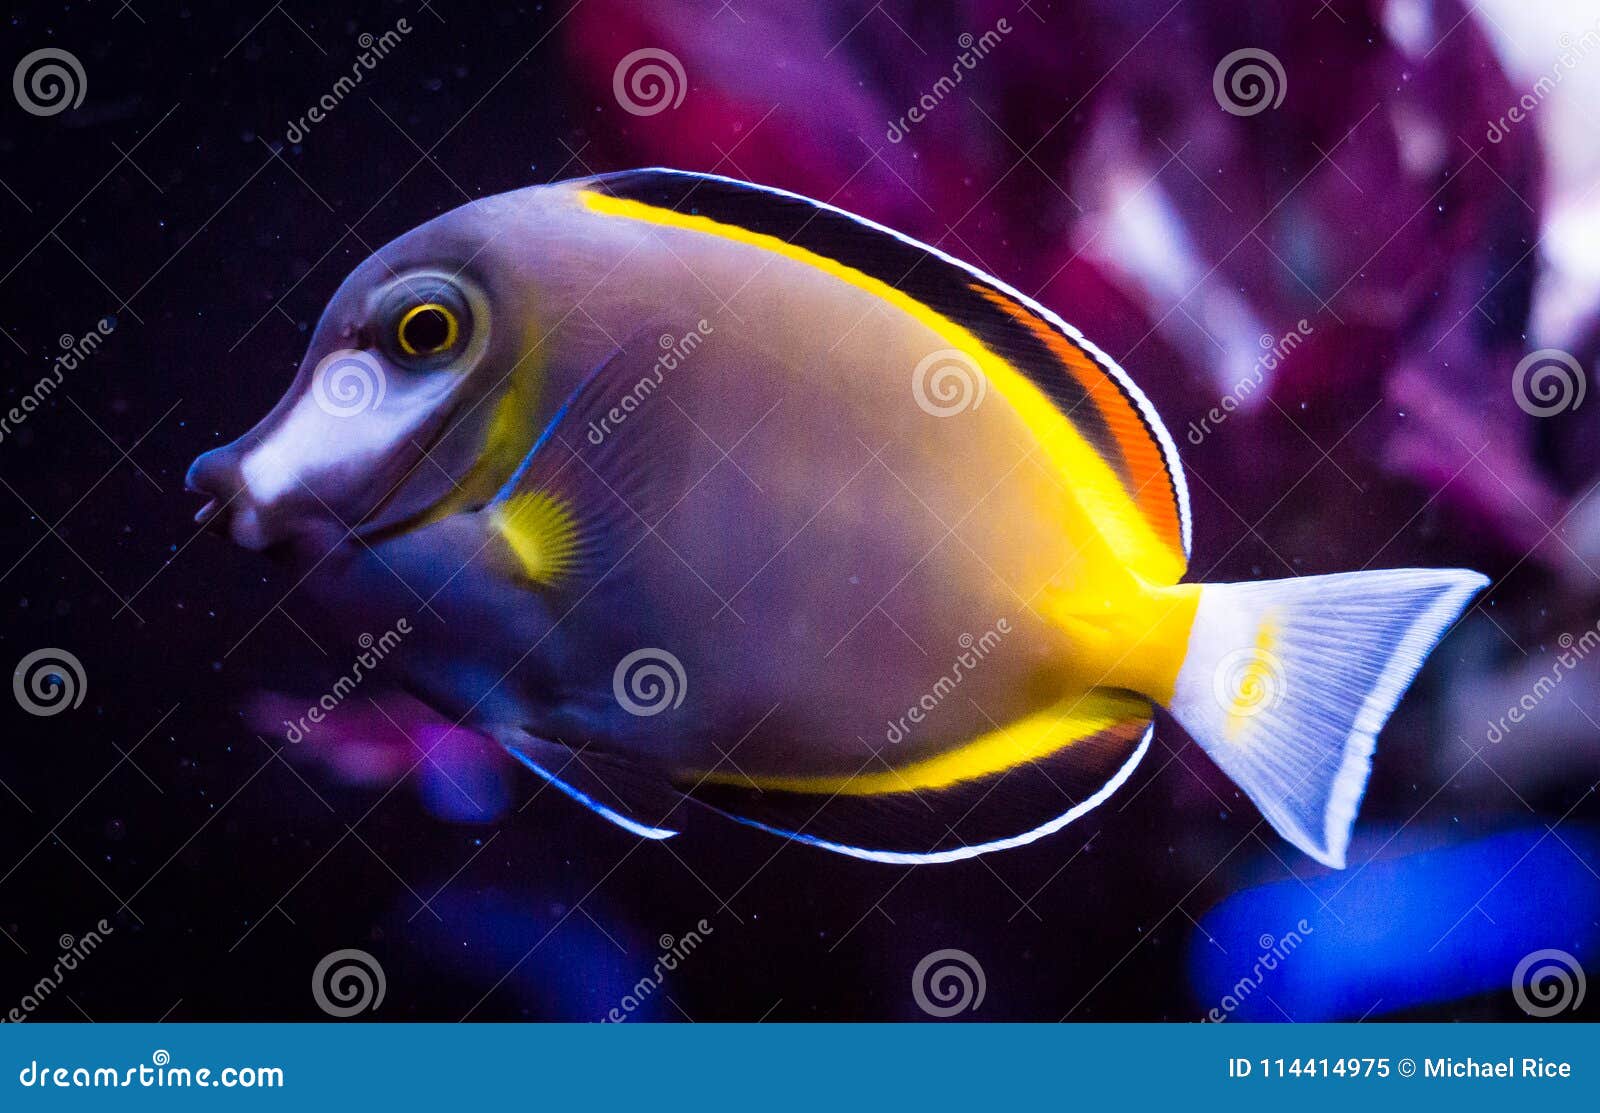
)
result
[(611, 787), (1000, 809)]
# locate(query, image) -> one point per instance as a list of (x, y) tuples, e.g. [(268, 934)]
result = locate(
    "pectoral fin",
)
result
[(591, 489)]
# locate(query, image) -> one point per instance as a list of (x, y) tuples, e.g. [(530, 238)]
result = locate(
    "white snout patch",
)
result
[(352, 417)]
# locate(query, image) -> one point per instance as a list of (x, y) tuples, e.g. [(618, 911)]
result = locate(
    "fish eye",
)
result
[(427, 329), (426, 323)]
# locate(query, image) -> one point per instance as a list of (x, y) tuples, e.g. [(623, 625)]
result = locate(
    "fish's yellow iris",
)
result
[(427, 329)]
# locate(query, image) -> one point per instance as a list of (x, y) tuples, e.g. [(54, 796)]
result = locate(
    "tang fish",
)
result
[(700, 494)]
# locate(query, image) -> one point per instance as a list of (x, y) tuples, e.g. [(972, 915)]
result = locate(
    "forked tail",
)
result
[(1287, 683)]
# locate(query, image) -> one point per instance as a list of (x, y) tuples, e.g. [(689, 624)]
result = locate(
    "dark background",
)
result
[(228, 864)]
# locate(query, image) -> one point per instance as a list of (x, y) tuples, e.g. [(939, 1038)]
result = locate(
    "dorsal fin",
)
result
[(1102, 404)]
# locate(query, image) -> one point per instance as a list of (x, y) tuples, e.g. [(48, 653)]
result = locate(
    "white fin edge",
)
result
[(632, 826), (905, 858)]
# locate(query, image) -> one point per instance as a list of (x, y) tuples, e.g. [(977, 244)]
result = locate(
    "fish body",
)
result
[(719, 496)]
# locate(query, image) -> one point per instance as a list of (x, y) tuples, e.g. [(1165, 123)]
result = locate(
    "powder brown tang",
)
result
[(728, 498)]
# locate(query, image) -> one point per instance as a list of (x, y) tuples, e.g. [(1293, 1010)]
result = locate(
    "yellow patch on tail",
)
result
[(1258, 678)]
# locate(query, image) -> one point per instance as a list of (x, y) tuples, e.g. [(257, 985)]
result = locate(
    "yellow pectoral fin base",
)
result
[(1005, 788), (541, 531)]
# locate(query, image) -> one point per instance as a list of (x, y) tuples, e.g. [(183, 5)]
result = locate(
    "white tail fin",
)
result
[(1287, 683)]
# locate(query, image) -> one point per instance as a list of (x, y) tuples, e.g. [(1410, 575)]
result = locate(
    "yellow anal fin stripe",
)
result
[(1033, 738), (1007, 809), (1083, 471)]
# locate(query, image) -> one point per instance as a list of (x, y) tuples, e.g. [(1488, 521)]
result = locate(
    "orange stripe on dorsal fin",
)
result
[(1143, 462)]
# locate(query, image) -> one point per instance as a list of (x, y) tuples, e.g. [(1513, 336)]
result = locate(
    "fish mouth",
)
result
[(304, 518), (211, 517)]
